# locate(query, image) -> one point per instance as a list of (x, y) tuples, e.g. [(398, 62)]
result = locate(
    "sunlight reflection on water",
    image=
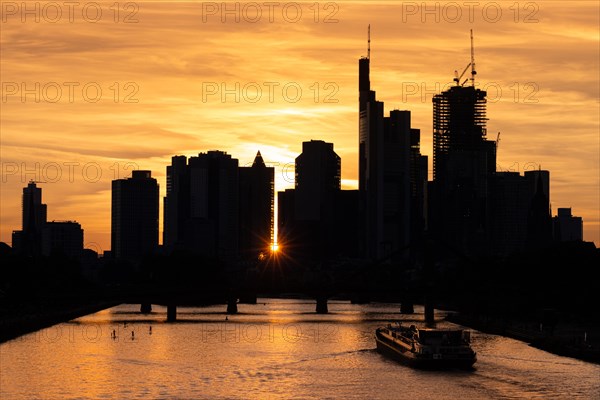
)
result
[(274, 349)]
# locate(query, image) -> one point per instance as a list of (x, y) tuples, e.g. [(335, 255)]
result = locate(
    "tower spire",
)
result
[(258, 160), (369, 42)]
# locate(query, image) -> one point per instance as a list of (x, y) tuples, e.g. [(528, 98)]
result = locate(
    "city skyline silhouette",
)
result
[(216, 209), (407, 71)]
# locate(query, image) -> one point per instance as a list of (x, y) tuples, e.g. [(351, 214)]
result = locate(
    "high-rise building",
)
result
[(370, 165), (539, 179), (62, 237), (286, 216), (510, 200), (317, 219), (257, 185), (176, 202), (459, 125), (318, 180), (463, 162), (567, 228), (539, 217), (134, 229), (418, 188), (390, 176), (345, 240), (396, 188), (519, 211), (34, 213), (202, 205)]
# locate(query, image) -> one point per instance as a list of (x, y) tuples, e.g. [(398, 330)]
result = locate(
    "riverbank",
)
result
[(563, 339), (26, 317)]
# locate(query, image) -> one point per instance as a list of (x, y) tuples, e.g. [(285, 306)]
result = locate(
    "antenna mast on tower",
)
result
[(473, 72), (369, 42)]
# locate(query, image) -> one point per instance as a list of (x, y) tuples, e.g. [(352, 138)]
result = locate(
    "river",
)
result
[(278, 348)]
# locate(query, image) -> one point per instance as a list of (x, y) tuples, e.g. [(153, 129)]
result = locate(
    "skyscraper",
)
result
[(519, 211), (370, 165), (202, 205), (286, 209), (134, 229), (418, 188), (34, 213), (396, 184), (510, 199), (459, 124), (539, 218), (390, 170), (63, 237), (463, 162), (176, 202), (257, 185), (318, 179), (316, 219), (566, 227)]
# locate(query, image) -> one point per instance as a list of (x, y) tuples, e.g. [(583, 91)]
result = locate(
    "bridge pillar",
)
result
[(146, 308), (232, 306), (407, 308), (360, 298), (322, 305), (429, 313), (248, 298), (171, 313)]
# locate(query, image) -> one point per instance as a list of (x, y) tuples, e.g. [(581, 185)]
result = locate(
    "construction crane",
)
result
[(457, 77), (497, 142)]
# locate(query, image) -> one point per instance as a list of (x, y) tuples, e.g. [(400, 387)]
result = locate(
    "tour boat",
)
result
[(426, 347)]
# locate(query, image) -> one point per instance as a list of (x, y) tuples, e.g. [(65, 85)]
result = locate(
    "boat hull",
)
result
[(407, 357)]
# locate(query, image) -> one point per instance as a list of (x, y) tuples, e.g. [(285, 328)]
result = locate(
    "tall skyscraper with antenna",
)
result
[(385, 174)]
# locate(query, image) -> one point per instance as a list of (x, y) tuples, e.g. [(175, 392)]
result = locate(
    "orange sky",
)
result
[(159, 63)]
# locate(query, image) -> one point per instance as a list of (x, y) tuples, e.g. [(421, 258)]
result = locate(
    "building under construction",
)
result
[(463, 162), (459, 122)]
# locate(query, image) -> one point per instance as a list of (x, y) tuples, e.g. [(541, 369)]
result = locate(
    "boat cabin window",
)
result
[(444, 338)]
